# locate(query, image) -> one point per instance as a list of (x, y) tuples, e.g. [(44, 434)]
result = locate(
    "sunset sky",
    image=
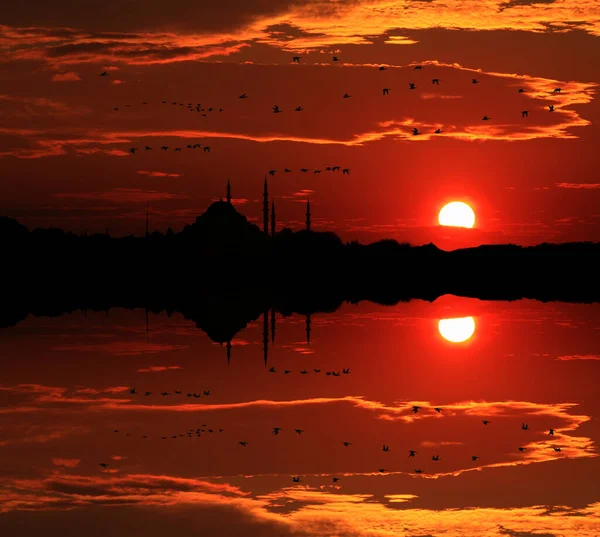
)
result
[(67, 390), (64, 150)]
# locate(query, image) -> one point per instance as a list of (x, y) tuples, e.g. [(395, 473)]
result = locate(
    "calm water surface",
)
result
[(174, 463)]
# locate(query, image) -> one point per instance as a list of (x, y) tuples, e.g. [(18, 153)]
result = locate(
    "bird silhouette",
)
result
[(148, 148), (521, 449), (335, 479), (347, 96), (418, 471), (524, 426), (335, 59), (299, 431), (276, 109), (317, 370), (415, 131), (551, 107), (206, 392), (474, 457), (438, 131), (272, 369), (104, 73), (412, 85), (556, 449), (345, 171), (435, 81), (474, 81), (298, 109), (272, 173), (316, 171), (556, 90), (133, 150), (385, 447), (385, 91), (104, 465), (520, 90), (165, 147), (551, 432), (415, 409), (346, 444), (276, 430), (304, 372), (486, 422), (346, 371), (412, 453), (418, 68), (304, 170), (438, 410), (243, 96), (381, 68), (206, 149), (485, 118), (243, 444), (296, 479), (525, 113), (132, 391), (296, 59), (435, 458)]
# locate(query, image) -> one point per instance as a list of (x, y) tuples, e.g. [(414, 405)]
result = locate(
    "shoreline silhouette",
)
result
[(223, 260)]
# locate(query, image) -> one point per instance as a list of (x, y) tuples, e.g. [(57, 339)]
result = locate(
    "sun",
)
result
[(457, 330), (457, 214)]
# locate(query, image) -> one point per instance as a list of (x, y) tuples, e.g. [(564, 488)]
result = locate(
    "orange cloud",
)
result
[(121, 195), (579, 186), (158, 368), (67, 463), (158, 174), (69, 76)]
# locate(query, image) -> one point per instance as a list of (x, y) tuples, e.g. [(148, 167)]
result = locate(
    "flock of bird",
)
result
[(277, 110), (333, 373), (412, 453)]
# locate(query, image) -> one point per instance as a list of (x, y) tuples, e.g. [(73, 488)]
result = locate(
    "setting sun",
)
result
[(457, 214), (457, 330)]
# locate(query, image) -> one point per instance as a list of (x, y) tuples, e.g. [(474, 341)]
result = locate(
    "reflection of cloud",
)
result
[(579, 357), (586, 186), (123, 348), (67, 463), (157, 368)]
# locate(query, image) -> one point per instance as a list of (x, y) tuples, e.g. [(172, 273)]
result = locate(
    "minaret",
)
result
[(228, 351), (308, 329), (273, 221), (308, 214), (273, 321), (266, 208), (266, 335), (228, 192), (147, 221)]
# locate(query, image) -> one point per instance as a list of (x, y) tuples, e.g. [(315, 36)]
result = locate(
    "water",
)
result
[(65, 389)]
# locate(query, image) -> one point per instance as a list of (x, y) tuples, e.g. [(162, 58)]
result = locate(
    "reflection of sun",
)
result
[(457, 330), (457, 214)]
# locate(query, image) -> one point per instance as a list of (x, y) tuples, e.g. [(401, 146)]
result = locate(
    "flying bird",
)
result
[(347, 96), (438, 131), (485, 118), (133, 150), (551, 107), (556, 449), (335, 59), (346, 444), (525, 113), (486, 422), (296, 479), (556, 90), (435, 81), (272, 369), (520, 90), (276, 430), (412, 453), (521, 449), (104, 465), (243, 96), (206, 149), (298, 109), (385, 91), (551, 432), (276, 109), (415, 409), (243, 444), (382, 68), (104, 73), (435, 458), (296, 59), (524, 426), (385, 448), (474, 457), (412, 85), (345, 171), (418, 68), (335, 479), (272, 173), (299, 431), (474, 81)]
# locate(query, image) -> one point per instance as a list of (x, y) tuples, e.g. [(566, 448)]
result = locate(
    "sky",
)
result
[(68, 390), (64, 149)]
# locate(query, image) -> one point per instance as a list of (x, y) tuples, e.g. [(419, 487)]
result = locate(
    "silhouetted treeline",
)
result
[(221, 252)]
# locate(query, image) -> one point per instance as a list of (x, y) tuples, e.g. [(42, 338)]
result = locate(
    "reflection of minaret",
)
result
[(273, 222), (147, 220), (308, 214), (228, 192), (266, 208), (273, 325), (308, 329), (266, 335), (228, 351)]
